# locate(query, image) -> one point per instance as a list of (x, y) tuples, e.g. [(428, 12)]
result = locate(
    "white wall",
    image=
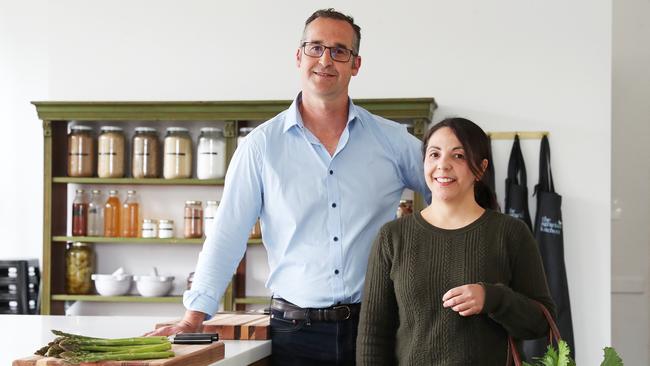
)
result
[(508, 65), (23, 77), (630, 177)]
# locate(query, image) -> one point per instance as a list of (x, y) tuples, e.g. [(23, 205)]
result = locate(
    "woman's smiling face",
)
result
[(446, 170)]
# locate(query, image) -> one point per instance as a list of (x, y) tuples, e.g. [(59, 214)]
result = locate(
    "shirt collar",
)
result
[(293, 117)]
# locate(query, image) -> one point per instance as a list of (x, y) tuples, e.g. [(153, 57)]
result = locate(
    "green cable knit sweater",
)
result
[(413, 264)]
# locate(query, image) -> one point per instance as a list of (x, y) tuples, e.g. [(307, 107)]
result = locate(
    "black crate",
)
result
[(19, 286), (9, 307)]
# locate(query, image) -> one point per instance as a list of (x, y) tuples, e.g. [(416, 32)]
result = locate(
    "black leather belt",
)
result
[(332, 314)]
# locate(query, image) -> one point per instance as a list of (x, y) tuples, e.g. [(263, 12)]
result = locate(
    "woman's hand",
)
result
[(466, 300)]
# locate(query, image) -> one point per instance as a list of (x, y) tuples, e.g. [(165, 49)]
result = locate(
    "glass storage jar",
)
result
[(96, 214), (129, 217), (209, 214), (112, 215), (144, 153), (79, 264), (405, 208), (256, 232), (243, 132), (165, 229), (81, 154), (178, 153), (149, 228), (193, 219), (211, 154), (80, 214), (110, 152)]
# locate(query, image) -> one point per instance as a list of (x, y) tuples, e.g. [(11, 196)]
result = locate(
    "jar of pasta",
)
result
[(79, 263), (81, 154), (110, 152), (178, 153), (144, 153)]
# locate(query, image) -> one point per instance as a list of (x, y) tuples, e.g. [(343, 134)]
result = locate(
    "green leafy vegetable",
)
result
[(562, 357)]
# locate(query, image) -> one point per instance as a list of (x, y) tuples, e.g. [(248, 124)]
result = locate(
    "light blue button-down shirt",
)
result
[(319, 212)]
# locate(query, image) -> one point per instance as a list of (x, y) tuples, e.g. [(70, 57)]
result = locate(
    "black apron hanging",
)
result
[(548, 232), (516, 189)]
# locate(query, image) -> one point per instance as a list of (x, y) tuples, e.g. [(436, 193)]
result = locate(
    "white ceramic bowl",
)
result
[(112, 285), (153, 286)]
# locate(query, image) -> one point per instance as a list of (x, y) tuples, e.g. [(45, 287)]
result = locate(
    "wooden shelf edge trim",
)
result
[(127, 298), (135, 181), (100, 239)]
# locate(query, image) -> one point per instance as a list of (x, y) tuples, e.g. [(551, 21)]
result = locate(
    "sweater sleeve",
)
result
[(379, 319), (510, 304)]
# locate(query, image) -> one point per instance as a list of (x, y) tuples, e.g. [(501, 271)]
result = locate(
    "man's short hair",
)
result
[(333, 14)]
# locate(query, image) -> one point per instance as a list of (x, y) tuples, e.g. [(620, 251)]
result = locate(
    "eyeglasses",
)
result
[(340, 54)]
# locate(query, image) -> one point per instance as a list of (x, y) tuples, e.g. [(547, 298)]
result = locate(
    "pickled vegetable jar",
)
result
[(79, 264)]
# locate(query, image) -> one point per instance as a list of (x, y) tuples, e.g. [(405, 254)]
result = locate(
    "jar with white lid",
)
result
[(149, 228), (144, 153), (178, 153), (81, 154), (165, 229), (208, 215), (243, 132), (211, 154), (110, 152)]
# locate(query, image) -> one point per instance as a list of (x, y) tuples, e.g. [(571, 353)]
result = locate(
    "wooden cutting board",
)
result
[(186, 355), (236, 326)]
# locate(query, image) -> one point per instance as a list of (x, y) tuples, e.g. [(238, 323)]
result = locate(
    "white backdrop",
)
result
[(507, 65)]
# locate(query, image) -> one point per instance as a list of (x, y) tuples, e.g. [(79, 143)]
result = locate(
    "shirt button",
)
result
[(336, 271), (331, 172), (336, 238), (334, 205)]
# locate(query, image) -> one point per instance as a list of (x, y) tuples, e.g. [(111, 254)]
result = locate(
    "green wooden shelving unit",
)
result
[(56, 115)]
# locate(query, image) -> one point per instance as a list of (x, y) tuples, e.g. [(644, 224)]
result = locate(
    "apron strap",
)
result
[(545, 183), (516, 166)]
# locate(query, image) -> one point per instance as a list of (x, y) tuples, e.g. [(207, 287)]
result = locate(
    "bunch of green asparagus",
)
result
[(75, 348)]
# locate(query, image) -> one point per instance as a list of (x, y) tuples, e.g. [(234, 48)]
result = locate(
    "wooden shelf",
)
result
[(128, 298), (102, 239), (135, 181)]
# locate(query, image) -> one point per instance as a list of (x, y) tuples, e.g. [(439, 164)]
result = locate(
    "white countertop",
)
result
[(21, 335)]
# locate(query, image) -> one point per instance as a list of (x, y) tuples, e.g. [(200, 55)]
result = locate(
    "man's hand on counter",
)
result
[(192, 322)]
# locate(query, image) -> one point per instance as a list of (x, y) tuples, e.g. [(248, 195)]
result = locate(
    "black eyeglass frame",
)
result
[(352, 53)]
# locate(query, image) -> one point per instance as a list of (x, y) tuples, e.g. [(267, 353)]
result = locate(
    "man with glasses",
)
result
[(323, 176)]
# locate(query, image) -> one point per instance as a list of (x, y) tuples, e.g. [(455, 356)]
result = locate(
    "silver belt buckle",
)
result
[(349, 314)]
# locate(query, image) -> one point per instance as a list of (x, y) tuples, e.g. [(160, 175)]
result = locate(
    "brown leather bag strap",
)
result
[(513, 357)]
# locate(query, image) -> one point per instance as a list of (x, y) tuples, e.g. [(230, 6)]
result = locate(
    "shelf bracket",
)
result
[(230, 129), (47, 128), (419, 127)]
